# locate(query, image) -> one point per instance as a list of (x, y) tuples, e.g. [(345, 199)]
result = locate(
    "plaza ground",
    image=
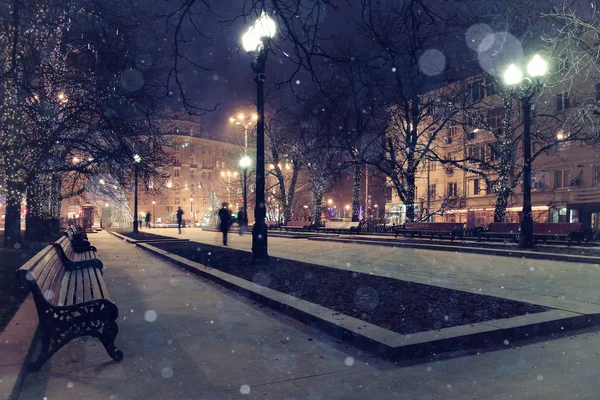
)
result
[(185, 338)]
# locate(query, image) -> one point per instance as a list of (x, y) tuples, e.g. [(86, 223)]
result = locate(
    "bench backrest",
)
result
[(504, 227), (557, 228), (271, 223), (44, 273), (300, 224), (434, 226), (340, 225)]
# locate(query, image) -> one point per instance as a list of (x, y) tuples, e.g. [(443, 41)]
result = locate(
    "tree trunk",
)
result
[(356, 190), (12, 221), (318, 201), (502, 197), (410, 198), (34, 231)]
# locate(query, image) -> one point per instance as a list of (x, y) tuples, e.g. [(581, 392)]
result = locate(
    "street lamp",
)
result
[(154, 212), (245, 162), (136, 159), (245, 123), (526, 88), (255, 41), (192, 212)]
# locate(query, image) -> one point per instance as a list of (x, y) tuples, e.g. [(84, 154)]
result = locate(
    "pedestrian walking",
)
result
[(148, 219), (225, 221), (242, 222), (179, 218)]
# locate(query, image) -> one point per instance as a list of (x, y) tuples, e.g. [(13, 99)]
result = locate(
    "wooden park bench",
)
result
[(272, 224), (83, 257), (339, 227), (431, 229), (296, 226), (569, 231), (71, 301), (503, 230), (79, 242)]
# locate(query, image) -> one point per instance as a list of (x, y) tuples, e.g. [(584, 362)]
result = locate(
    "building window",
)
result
[(222, 164), (432, 191), (433, 165), (452, 189), (451, 128), (597, 91), (177, 201), (388, 194), (492, 153), (490, 86), (474, 187), (562, 101), (176, 173), (494, 119), (561, 178), (209, 176), (476, 90), (209, 150), (474, 153), (176, 159), (203, 175), (192, 173)]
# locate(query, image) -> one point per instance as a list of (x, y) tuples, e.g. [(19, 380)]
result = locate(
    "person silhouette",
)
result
[(179, 219), (225, 221)]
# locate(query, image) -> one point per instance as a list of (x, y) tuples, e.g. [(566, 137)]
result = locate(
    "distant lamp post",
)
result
[(154, 212), (245, 162), (526, 88), (255, 42), (136, 159), (192, 212), (245, 123)]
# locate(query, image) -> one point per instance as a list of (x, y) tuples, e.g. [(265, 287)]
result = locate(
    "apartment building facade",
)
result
[(565, 177)]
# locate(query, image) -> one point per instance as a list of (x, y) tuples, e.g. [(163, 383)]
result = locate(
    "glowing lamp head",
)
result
[(245, 162), (255, 117), (537, 66), (330, 201), (153, 202), (191, 199), (137, 158), (241, 116), (232, 120), (263, 27), (512, 75)]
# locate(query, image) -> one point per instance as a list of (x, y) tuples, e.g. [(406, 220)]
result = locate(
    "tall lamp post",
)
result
[(245, 163), (154, 212), (526, 87), (245, 123), (192, 212), (136, 159), (255, 41)]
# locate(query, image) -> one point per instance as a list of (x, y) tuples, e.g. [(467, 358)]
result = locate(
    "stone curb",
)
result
[(134, 241), (17, 344), (464, 249), (387, 343)]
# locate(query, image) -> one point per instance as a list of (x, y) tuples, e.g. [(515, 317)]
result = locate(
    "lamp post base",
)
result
[(259, 245)]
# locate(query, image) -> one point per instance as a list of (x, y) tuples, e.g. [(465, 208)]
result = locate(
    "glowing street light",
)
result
[(255, 42), (526, 88)]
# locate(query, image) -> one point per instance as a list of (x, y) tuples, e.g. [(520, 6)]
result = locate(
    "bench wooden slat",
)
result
[(71, 301)]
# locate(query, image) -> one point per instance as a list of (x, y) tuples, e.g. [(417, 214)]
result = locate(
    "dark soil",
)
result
[(400, 306), (142, 235)]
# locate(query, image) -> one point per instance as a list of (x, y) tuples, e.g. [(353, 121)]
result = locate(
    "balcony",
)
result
[(193, 165), (588, 195)]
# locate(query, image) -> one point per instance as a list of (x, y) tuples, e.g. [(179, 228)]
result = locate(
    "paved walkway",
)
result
[(569, 286), (184, 338)]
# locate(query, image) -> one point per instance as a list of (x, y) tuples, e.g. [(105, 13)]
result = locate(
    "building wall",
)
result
[(565, 180)]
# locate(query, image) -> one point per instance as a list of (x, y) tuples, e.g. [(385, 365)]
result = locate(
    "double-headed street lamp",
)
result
[(526, 87), (136, 159), (245, 123), (255, 41), (245, 162)]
